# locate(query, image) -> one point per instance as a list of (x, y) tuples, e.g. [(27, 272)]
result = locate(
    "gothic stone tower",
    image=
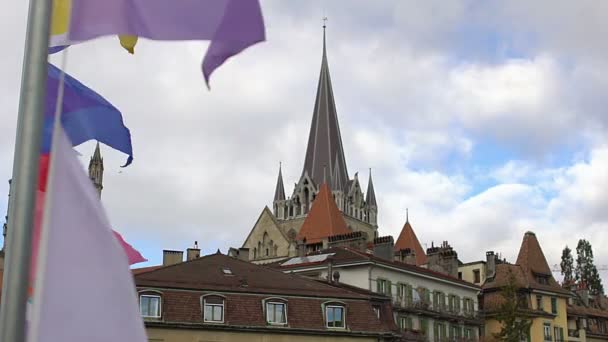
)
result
[(274, 234), (96, 170), (95, 173)]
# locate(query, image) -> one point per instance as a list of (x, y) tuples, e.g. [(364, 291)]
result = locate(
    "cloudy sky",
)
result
[(485, 119)]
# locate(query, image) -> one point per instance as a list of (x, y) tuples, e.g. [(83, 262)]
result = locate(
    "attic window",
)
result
[(542, 280), (226, 271)]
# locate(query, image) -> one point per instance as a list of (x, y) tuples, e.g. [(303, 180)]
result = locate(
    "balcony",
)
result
[(431, 310)]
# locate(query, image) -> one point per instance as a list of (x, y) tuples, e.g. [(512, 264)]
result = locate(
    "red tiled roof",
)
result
[(579, 310), (207, 273), (324, 218), (136, 271), (245, 285), (408, 239), (533, 263)]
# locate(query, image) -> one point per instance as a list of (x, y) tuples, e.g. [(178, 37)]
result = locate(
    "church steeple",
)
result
[(370, 198), (279, 192), (96, 170), (324, 142)]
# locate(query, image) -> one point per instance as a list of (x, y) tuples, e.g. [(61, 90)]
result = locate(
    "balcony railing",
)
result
[(573, 333), (407, 303)]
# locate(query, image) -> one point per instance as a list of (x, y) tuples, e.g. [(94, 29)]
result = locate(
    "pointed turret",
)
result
[(370, 198), (324, 218), (531, 256), (408, 240), (534, 265), (279, 192), (324, 142), (96, 169)]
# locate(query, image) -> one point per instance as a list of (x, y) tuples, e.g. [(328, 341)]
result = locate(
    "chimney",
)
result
[(330, 268), (407, 256), (583, 292), (193, 253), (301, 246), (490, 264), (172, 257), (443, 259), (336, 277), (243, 254), (384, 247)]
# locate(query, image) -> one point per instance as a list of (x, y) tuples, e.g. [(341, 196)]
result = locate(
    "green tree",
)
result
[(585, 270), (515, 325), (567, 265)]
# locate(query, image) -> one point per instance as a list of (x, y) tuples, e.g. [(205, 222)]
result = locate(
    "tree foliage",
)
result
[(567, 265), (586, 271), (515, 325)]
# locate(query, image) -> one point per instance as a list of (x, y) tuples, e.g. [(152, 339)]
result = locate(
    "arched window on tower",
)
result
[(306, 200)]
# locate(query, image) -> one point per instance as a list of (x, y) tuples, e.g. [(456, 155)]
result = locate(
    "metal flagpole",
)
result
[(25, 172)]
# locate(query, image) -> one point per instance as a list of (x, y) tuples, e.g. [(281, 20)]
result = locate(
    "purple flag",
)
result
[(84, 289), (230, 25)]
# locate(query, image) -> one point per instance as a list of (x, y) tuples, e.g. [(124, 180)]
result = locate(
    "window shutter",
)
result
[(378, 285), (408, 293), (443, 333), (389, 286), (457, 303), (436, 331), (452, 332)]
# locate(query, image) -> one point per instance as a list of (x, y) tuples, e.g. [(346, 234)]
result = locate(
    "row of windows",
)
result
[(441, 331), (214, 310), (421, 294), (558, 333), (539, 304)]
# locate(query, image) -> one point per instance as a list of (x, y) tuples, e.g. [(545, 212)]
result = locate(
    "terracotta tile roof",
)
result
[(501, 277), (408, 239), (534, 264), (345, 255), (324, 218), (221, 272), (580, 310), (244, 286), (136, 271)]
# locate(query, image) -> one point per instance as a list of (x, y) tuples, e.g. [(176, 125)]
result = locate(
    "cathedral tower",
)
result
[(325, 161), (96, 170), (279, 232)]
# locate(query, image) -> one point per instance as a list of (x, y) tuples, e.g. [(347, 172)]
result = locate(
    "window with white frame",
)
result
[(335, 316), (213, 309), (276, 313), (547, 332), (149, 306)]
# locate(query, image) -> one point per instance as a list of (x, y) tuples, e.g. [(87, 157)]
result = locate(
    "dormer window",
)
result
[(276, 313), (213, 309), (149, 306), (335, 316)]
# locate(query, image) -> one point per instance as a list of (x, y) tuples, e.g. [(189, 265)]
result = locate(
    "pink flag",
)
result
[(132, 254), (84, 290)]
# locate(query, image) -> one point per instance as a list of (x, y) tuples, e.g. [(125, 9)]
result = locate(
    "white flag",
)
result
[(84, 289)]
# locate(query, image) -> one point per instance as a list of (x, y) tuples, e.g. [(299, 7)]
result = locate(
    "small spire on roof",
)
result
[(279, 192), (407, 215), (370, 198)]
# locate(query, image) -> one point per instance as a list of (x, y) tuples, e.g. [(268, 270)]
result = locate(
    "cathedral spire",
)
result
[(96, 170), (279, 192), (324, 142), (370, 198)]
